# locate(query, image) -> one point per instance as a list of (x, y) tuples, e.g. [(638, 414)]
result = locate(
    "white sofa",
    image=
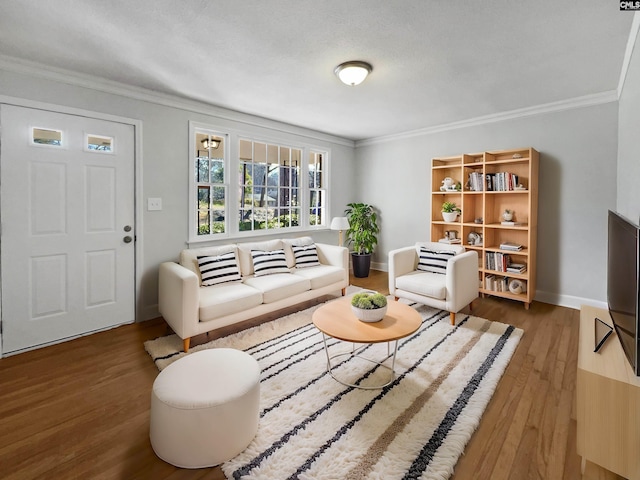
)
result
[(191, 308), (454, 287)]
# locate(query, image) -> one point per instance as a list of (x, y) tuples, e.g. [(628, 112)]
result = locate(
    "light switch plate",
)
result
[(154, 204)]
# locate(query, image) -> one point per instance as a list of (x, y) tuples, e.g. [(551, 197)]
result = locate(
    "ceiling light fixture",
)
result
[(353, 73), (210, 143)]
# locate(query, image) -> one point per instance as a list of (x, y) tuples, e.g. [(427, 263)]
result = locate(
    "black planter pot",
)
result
[(361, 264)]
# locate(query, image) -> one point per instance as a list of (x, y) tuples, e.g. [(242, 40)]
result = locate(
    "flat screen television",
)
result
[(622, 284)]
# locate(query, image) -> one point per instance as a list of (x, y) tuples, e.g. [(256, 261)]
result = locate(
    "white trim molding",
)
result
[(578, 102), (633, 34), (92, 82)]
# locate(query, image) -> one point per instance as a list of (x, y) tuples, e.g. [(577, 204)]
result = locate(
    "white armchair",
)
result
[(451, 290)]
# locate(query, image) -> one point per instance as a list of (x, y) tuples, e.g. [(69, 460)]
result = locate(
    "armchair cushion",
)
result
[(434, 261), (433, 285)]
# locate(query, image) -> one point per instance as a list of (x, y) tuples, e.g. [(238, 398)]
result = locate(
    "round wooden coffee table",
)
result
[(337, 320)]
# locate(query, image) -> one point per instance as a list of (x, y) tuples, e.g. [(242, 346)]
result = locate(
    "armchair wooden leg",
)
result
[(396, 298), (471, 306), (344, 291), (452, 316), (185, 344)]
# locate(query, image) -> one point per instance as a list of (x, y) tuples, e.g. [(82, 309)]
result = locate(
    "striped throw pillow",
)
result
[(305, 255), (265, 263), (434, 261), (218, 269)]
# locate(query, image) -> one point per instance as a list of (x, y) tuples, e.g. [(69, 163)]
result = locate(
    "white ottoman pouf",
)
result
[(205, 408)]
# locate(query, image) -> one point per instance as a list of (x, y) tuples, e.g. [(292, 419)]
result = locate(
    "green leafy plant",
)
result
[(363, 227), (369, 300), (450, 207)]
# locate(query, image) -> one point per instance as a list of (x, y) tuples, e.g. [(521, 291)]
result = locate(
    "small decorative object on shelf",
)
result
[(474, 238), (478, 220), (507, 215), (369, 306), (450, 212), (449, 185), (517, 286)]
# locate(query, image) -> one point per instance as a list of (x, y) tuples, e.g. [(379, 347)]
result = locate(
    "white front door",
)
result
[(67, 206)]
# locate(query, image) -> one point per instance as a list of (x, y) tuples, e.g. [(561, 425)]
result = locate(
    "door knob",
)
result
[(127, 228), (127, 239)]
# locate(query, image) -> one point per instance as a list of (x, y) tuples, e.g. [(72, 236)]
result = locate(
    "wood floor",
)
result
[(80, 410)]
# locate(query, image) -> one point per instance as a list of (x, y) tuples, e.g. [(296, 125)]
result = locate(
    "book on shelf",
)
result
[(496, 284), (501, 182), (510, 246), (476, 183), (516, 268), (510, 224), (449, 241)]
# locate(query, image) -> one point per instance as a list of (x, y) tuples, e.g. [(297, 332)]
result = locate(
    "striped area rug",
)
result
[(312, 427)]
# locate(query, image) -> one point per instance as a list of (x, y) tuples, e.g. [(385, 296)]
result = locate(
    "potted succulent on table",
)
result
[(363, 235), (369, 306), (450, 212)]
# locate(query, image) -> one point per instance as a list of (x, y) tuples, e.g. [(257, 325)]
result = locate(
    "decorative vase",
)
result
[(449, 216), (369, 315), (507, 216)]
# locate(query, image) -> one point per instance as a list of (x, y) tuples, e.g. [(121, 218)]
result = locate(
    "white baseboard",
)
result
[(568, 301)]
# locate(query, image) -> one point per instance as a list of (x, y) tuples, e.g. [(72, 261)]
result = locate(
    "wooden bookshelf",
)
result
[(487, 184)]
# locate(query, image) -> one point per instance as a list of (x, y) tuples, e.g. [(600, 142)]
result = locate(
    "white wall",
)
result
[(165, 163), (578, 152), (628, 203)]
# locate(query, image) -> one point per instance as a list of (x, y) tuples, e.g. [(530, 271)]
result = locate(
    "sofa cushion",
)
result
[(424, 283), (322, 275), (434, 261), (305, 255), (244, 253), (189, 257), (268, 263), (278, 286), (288, 243), (226, 299), (218, 269)]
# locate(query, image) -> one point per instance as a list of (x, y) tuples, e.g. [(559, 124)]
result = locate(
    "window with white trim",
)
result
[(317, 189), (243, 186), (211, 188), (269, 186)]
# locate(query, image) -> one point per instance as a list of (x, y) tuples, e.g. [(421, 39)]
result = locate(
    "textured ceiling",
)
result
[(435, 62)]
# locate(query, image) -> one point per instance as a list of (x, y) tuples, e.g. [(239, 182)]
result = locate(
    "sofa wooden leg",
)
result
[(471, 307), (185, 344), (452, 315), (344, 291), (396, 298)]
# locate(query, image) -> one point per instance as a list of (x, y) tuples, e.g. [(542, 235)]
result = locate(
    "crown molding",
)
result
[(578, 102), (26, 67), (631, 42)]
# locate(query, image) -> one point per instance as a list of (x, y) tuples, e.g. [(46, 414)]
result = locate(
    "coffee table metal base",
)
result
[(355, 353)]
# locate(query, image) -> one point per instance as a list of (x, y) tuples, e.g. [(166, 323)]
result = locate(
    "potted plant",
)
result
[(363, 235), (369, 306), (450, 212)]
